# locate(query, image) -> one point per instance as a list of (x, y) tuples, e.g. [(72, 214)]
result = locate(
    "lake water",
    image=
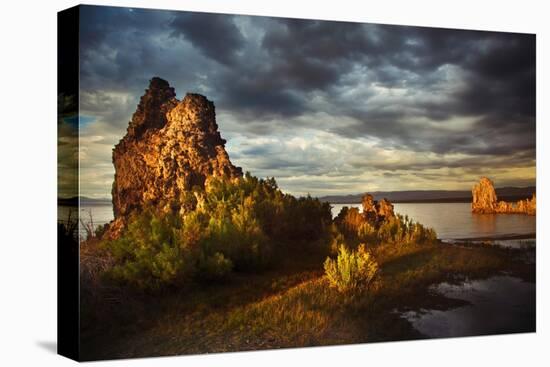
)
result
[(498, 305), (456, 221), (100, 214)]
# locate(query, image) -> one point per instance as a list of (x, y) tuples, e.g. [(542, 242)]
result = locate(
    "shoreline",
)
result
[(505, 237)]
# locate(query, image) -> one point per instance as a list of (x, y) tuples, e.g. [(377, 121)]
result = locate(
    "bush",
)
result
[(216, 266), (349, 220), (367, 232), (352, 271), (402, 230), (238, 235), (100, 230), (227, 226), (397, 229), (281, 217), (336, 239), (150, 254)]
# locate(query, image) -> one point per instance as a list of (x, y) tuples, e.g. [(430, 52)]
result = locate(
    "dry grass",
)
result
[(295, 307)]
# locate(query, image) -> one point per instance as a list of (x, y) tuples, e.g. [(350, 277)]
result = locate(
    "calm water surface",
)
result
[(100, 214), (498, 305)]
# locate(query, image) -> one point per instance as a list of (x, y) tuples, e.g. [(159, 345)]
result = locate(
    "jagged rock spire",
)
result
[(170, 147)]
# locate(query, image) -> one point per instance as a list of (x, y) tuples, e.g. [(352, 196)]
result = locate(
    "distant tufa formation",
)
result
[(170, 147), (376, 211), (484, 201)]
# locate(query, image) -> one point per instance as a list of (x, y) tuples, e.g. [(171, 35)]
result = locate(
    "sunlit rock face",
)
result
[(376, 211), (484, 197), (170, 147), (485, 201)]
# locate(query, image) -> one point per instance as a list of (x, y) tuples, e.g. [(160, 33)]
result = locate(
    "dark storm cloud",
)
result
[(99, 24), (338, 45), (423, 90), (499, 88), (297, 57), (216, 35), (260, 98), (310, 55), (306, 56)]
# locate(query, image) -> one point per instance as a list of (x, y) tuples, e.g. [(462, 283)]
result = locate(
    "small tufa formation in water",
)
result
[(170, 147), (485, 201), (376, 211), (375, 214)]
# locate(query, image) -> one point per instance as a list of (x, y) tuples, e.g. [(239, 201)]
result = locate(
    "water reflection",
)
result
[(498, 305), (484, 223)]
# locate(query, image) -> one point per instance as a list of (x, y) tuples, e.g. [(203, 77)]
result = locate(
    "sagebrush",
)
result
[(353, 271)]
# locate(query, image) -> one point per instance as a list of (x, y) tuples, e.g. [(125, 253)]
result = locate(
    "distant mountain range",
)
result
[(83, 200), (410, 196), (432, 196)]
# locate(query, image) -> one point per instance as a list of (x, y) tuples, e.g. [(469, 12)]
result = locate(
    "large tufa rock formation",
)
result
[(170, 147), (485, 201)]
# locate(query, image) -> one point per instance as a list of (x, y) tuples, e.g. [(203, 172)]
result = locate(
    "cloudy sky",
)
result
[(324, 107)]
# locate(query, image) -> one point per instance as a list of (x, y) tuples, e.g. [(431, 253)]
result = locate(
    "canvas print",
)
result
[(234, 183)]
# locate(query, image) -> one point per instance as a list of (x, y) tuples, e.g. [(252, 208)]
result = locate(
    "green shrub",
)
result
[(100, 230), (348, 221), (366, 232), (150, 253), (402, 230), (336, 239), (352, 271), (397, 229), (216, 266), (230, 225), (281, 217), (238, 235)]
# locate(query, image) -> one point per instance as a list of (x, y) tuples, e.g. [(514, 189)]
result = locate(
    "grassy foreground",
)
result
[(292, 306)]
